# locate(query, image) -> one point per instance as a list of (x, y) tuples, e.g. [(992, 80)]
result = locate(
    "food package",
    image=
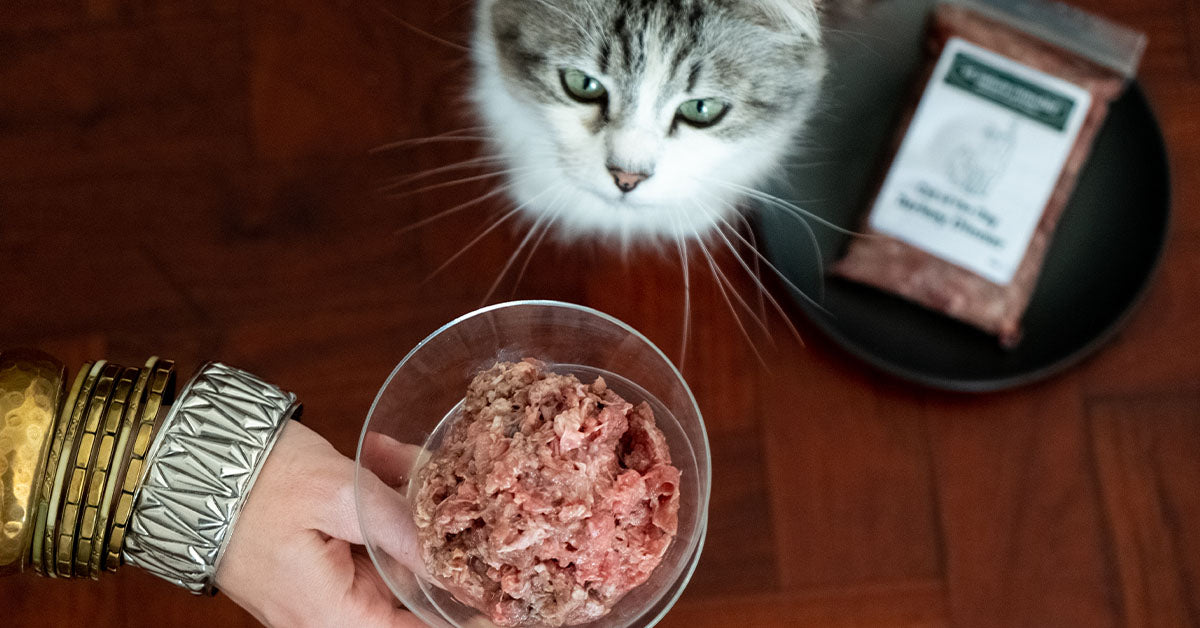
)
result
[(1014, 93)]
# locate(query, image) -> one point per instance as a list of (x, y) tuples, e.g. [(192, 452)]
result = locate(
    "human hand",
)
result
[(296, 555)]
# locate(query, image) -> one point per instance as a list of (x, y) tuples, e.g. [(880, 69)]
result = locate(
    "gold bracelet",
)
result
[(73, 421), (32, 387), (95, 466), (120, 463), (85, 452), (162, 385), (41, 544), (78, 496), (87, 542)]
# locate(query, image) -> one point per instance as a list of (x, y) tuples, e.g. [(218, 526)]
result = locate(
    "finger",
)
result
[(403, 619), (373, 506), (387, 518), (380, 615), (368, 579), (378, 601), (388, 458)]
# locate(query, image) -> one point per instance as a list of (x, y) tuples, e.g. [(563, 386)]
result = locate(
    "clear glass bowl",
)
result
[(430, 382)]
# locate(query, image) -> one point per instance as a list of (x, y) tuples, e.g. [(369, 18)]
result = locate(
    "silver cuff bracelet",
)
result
[(201, 467)]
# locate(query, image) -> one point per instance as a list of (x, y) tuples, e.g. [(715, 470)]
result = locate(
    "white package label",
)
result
[(981, 158)]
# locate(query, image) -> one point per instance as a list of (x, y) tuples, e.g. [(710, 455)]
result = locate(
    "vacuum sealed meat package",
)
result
[(1014, 94)]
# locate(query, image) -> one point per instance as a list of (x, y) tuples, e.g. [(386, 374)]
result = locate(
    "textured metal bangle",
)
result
[(32, 387), (201, 467)]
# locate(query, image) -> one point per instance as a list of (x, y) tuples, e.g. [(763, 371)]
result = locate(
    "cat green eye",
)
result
[(582, 87), (703, 112)]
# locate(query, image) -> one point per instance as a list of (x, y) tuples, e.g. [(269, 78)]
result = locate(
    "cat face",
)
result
[(642, 119)]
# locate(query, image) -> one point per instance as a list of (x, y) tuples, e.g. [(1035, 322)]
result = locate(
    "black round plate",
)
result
[(1107, 247)]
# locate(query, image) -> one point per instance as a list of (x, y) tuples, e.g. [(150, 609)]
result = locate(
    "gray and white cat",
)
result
[(643, 119)]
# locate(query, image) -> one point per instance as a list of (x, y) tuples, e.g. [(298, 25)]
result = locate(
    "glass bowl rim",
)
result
[(701, 447)]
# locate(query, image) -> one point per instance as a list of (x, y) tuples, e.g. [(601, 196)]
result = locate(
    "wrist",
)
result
[(202, 467), (112, 469)]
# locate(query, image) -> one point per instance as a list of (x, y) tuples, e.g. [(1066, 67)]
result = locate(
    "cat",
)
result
[(643, 120)]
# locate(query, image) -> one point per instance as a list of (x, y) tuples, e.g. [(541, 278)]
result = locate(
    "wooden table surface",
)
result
[(193, 179)]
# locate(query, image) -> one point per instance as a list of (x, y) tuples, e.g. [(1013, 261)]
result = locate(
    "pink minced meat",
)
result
[(549, 500)]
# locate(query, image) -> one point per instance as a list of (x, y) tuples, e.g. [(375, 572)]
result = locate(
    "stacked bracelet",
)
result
[(204, 463), (114, 470), (32, 387), (92, 445)]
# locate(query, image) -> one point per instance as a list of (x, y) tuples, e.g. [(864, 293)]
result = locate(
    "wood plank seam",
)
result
[(1116, 595), (1171, 520), (940, 540), (1143, 530), (1191, 14)]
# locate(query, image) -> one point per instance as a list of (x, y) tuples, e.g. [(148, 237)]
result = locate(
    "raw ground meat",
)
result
[(897, 267), (549, 500)]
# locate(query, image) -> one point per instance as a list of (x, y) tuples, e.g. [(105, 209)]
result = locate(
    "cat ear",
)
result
[(800, 16)]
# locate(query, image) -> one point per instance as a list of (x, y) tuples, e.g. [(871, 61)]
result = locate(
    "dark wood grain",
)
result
[(1023, 531), (196, 180), (1147, 458), (1192, 14), (918, 604), (1157, 352), (850, 468)]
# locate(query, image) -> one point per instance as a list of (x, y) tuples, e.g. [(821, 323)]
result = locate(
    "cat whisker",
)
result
[(481, 236), (863, 34), (420, 141), (461, 132), (595, 16), (720, 279), (717, 217), (446, 184), (512, 258), (762, 289), (453, 210), (800, 165), (474, 162), (762, 302), (592, 12), (854, 37), (681, 247), (515, 255), (454, 9), (422, 32), (786, 205), (470, 244), (761, 321), (554, 216), (736, 317), (808, 147), (812, 239), (778, 273)]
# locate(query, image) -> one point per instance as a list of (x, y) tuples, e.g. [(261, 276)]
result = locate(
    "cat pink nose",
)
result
[(626, 181)]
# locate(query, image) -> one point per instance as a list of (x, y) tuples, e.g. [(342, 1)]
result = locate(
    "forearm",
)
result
[(210, 488)]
